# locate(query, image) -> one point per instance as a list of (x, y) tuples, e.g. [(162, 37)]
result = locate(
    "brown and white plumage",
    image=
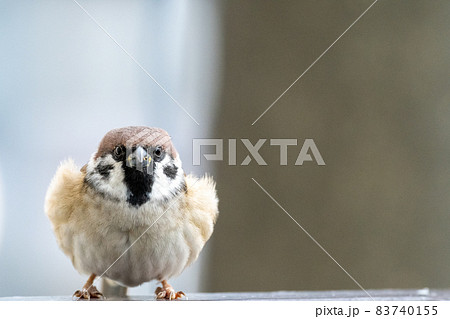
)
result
[(99, 211)]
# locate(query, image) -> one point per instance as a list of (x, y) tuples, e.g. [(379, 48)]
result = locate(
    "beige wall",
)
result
[(377, 106)]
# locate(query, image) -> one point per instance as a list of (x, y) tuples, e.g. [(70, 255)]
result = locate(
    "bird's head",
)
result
[(136, 164)]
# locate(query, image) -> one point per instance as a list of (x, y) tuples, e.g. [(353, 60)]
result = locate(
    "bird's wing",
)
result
[(61, 200), (202, 203)]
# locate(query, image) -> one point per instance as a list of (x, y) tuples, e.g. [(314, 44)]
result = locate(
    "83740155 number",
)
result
[(406, 310)]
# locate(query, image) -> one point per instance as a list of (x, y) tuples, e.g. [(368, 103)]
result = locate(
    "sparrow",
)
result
[(131, 214)]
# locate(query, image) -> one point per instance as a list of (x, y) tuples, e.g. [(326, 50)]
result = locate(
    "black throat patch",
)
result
[(139, 185)]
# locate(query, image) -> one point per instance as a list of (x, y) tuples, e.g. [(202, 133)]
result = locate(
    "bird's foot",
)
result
[(166, 292), (88, 294)]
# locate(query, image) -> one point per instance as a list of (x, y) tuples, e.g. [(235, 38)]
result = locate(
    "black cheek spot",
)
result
[(170, 171), (104, 170)]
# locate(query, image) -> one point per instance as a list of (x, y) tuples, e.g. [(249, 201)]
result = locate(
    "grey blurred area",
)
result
[(376, 105)]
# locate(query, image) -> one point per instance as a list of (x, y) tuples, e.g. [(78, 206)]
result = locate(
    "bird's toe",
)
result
[(168, 293), (88, 294)]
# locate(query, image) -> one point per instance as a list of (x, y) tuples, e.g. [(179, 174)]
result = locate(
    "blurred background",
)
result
[(376, 105)]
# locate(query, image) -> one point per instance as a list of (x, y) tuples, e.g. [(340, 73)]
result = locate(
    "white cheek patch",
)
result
[(111, 184), (165, 187)]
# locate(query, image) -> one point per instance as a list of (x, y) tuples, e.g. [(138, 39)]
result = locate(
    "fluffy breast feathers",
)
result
[(74, 209)]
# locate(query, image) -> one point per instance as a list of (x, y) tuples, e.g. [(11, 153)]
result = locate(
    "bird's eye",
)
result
[(158, 151), (118, 152)]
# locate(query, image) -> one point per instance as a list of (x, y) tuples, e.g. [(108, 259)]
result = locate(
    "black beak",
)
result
[(140, 160)]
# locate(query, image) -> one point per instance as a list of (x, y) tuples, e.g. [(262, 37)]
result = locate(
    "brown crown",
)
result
[(136, 135)]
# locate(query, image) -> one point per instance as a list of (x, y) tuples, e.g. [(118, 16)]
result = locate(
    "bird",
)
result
[(131, 214)]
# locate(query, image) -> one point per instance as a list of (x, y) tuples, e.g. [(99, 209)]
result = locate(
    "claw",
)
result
[(88, 294), (168, 293), (81, 294)]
